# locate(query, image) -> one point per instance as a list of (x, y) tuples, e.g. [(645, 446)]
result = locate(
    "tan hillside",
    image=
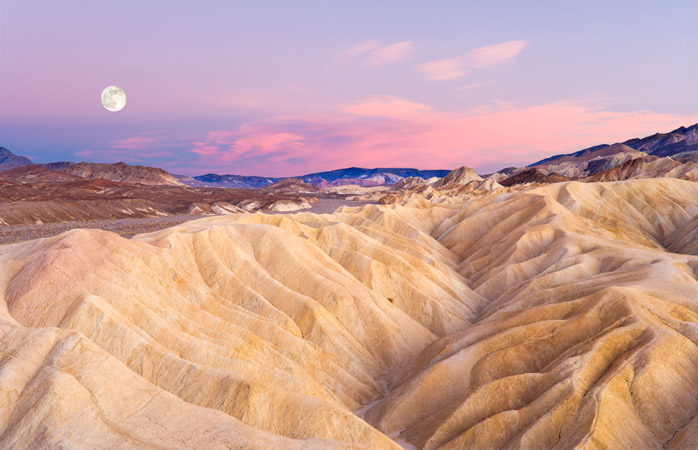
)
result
[(460, 176), (563, 316)]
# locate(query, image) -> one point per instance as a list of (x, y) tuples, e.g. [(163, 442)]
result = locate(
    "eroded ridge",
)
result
[(559, 316)]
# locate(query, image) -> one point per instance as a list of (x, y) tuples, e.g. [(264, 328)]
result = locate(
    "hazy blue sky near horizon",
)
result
[(283, 88)]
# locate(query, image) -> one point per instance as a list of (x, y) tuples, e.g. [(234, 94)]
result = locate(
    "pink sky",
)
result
[(388, 131), (229, 87)]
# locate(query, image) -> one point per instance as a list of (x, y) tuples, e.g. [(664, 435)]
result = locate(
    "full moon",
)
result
[(113, 98)]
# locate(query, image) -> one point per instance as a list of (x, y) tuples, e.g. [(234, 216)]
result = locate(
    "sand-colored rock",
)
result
[(561, 316), (589, 336), (462, 175), (408, 183)]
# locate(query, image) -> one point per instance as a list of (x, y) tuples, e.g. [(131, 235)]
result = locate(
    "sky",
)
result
[(284, 88)]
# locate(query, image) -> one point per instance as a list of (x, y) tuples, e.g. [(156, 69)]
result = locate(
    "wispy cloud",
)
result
[(356, 50), (461, 65), (373, 53), (124, 155), (495, 54), (134, 143), (228, 145), (201, 148), (264, 142), (386, 106), (389, 54), (444, 69)]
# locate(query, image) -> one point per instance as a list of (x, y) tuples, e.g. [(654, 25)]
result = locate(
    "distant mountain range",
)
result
[(339, 177), (122, 172), (229, 181), (367, 177), (681, 145)]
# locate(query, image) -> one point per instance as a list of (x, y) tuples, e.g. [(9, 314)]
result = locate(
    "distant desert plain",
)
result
[(548, 306)]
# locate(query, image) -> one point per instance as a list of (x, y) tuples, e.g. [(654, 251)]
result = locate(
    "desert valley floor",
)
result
[(560, 316)]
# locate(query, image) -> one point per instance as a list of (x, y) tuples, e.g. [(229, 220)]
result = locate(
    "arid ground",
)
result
[(554, 316), (130, 226)]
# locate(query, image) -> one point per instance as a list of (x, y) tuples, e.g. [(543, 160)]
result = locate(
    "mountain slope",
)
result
[(9, 160), (533, 175), (589, 161), (680, 142), (59, 165), (36, 195), (377, 176), (123, 173), (553, 317), (461, 176), (292, 353), (35, 173), (340, 177), (587, 339), (649, 167), (231, 181)]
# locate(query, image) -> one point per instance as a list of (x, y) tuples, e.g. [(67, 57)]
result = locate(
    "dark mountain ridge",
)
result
[(362, 173), (349, 175), (681, 141), (9, 160)]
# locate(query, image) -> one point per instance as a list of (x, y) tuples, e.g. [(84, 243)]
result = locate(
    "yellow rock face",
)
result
[(556, 317)]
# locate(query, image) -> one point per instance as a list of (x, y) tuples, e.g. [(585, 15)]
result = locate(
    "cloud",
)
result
[(390, 53), (200, 148), (386, 106), (495, 54), (229, 145), (356, 50), (131, 150), (405, 133), (373, 53), (479, 58), (444, 69), (134, 143), (123, 154), (264, 142)]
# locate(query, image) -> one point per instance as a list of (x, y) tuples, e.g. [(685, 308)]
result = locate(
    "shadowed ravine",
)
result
[(556, 317)]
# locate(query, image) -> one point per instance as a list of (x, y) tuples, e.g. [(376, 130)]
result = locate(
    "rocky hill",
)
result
[(462, 175), (678, 143), (9, 160), (649, 167), (292, 185), (35, 173), (675, 143), (36, 195), (124, 173), (533, 175), (59, 165)]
